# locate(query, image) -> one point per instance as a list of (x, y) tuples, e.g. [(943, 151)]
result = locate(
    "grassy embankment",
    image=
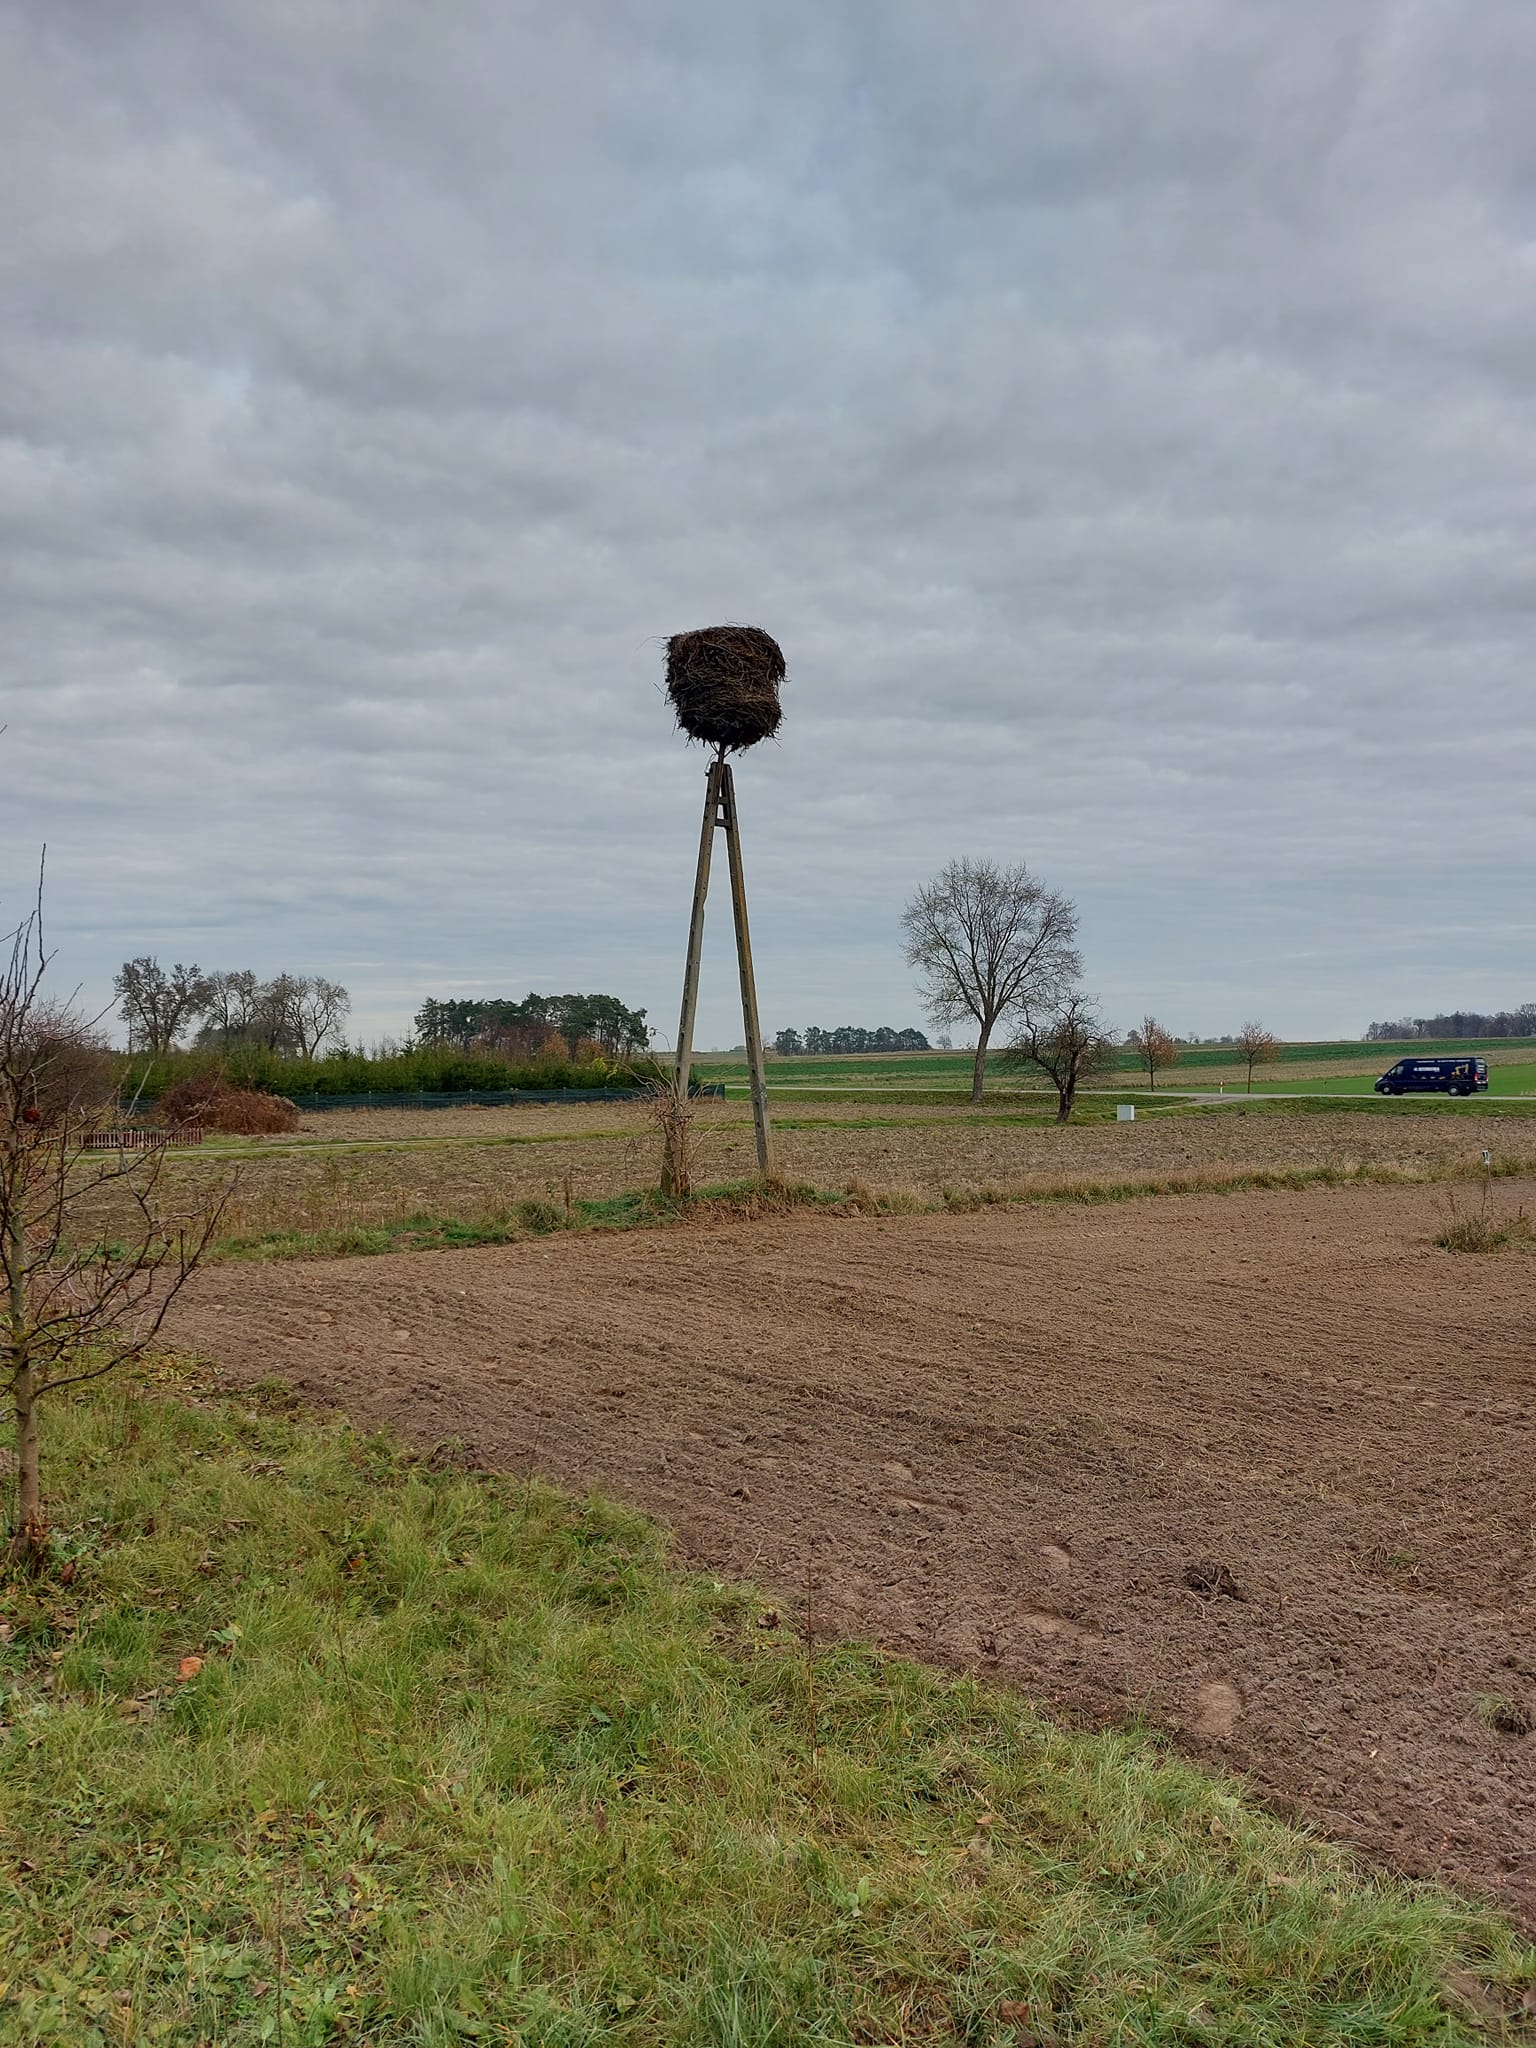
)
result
[(306, 1741), (748, 1200)]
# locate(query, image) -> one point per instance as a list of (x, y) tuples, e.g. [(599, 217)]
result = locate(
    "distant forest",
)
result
[(849, 1038), (1519, 1023), (538, 1024)]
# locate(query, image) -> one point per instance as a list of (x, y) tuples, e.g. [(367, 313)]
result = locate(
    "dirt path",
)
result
[(1002, 1439)]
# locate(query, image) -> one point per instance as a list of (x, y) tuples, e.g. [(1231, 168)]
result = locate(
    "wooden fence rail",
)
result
[(141, 1141)]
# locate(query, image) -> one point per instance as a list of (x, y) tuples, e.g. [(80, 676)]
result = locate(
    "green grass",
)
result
[(1503, 1082), (1339, 1102), (321, 1743), (947, 1072)]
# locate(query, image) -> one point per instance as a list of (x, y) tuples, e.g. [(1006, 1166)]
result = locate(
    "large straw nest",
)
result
[(724, 684)]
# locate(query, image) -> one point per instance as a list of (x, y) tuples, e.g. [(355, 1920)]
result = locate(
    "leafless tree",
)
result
[(319, 1008), (74, 1302), (273, 1020), (990, 941), (156, 1004), (674, 1114), (1256, 1045), (1156, 1047), (1070, 1046), (233, 999)]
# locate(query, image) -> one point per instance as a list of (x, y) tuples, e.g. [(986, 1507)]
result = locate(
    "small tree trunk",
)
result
[(1065, 1097), (27, 1535), (979, 1071), (1250, 1077)]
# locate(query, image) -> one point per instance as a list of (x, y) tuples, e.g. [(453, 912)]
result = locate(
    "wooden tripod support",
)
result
[(720, 813)]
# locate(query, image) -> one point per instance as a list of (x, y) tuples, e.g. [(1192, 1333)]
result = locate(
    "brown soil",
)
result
[(1260, 1466)]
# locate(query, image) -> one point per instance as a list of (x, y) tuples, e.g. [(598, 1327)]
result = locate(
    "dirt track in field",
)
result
[(1001, 1439)]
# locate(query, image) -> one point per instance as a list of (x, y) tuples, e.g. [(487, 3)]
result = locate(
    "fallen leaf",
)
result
[(260, 1986), (769, 1618), (100, 1937), (68, 1572), (189, 1667)]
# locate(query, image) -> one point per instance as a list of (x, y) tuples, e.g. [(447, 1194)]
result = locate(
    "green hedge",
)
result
[(438, 1070)]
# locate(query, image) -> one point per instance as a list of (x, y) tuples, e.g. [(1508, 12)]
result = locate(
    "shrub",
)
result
[(1484, 1230), (431, 1069), (207, 1099)]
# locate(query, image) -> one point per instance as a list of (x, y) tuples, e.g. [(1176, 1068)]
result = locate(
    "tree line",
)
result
[(849, 1038), (524, 1030), (292, 1015), (1518, 1023), (297, 1016)]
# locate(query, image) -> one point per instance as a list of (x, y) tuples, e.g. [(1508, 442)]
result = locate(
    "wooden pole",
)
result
[(673, 1168), (753, 1031)]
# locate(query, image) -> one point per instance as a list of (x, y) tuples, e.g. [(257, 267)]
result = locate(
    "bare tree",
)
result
[(1156, 1047), (156, 1004), (1256, 1045), (319, 1009), (1071, 1047), (674, 1113), (74, 1301), (231, 1008), (989, 941)]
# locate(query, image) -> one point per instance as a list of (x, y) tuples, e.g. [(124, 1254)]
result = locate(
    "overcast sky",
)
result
[(1122, 414)]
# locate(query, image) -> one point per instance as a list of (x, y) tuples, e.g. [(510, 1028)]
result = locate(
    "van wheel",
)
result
[(1463, 1091), (1389, 1091)]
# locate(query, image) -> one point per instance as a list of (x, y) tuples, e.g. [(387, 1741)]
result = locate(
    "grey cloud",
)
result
[(1123, 416)]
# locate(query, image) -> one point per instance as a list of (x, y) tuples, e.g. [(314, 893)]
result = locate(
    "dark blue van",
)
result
[(1462, 1074)]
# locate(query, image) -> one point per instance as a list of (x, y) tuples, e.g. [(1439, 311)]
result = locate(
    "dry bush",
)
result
[(70, 1064), (1484, 1230), (73, 1303), (673, 1112), (238, 1112)]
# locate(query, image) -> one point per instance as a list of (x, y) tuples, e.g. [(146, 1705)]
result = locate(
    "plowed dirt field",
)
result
[(1262, 1467)]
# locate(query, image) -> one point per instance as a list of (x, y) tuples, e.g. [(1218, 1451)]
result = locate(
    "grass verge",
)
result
[(747, 1200), (309, 1740)]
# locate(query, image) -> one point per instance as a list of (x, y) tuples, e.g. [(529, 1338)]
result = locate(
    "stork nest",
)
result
[(724, 685)]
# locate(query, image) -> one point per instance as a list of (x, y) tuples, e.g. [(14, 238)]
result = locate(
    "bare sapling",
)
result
[(1255, 1045), (674, 1113), (74, 1301), (1155, 1048), (1071, 1047)]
